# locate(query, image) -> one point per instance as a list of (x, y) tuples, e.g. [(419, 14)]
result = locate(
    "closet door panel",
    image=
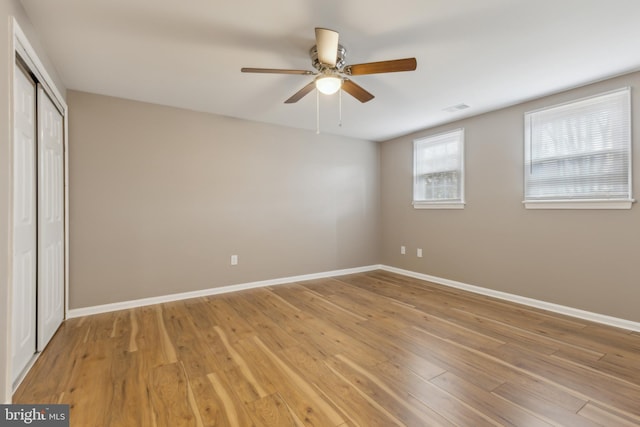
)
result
[(50, 219), (24, 224)]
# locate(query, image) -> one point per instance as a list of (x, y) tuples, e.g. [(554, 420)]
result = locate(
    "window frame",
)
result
[(579, 203), (435, 203)]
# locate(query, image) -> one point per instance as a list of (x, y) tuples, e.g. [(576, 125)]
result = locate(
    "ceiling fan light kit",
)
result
[(328, 84)]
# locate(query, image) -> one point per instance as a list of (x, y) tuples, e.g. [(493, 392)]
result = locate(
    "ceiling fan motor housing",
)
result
[(342, 54)]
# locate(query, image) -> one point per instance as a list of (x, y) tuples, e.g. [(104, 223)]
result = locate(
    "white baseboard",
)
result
[(86, 311), (556, 308)]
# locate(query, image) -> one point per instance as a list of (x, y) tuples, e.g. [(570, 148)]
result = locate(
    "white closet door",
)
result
[(24, 223), (50, 219)]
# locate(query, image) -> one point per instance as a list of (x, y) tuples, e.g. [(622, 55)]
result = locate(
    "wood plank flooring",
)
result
[(370, 349)]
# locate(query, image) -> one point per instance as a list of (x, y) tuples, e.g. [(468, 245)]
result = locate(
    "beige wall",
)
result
[(8, 9), (586, 259), (160, 198)]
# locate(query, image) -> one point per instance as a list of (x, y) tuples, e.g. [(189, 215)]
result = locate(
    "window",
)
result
[(438, 171), (578, 155)]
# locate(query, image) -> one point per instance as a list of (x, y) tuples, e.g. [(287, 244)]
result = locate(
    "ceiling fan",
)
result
[(327, 57)]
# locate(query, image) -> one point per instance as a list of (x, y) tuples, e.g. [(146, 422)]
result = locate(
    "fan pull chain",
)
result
[(317, 112), (339, 107)]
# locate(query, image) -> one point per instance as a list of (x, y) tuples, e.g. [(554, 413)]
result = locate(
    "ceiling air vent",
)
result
[(454, 108)]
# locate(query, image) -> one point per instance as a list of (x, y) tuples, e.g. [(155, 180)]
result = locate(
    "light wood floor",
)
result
[(371, 349)]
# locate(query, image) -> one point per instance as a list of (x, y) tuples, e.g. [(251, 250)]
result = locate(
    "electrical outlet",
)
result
[(419, 252), (234, 259), (403, 250)]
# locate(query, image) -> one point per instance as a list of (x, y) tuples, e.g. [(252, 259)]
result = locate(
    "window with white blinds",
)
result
[(578, 155), (439, 171)]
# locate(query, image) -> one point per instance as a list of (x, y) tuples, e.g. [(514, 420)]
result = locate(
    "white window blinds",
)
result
[(438, 170), (580, 151)]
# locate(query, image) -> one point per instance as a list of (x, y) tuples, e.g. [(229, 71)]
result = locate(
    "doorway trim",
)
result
[(20, 45)]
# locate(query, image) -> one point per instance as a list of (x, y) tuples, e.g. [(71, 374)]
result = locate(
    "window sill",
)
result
[(578, 204), (438, 205)]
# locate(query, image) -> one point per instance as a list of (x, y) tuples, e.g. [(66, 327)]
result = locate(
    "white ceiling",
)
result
[(484, 53)]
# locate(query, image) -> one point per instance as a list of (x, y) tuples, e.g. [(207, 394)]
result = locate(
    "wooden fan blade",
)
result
[(356, 91), (275, 71), (327, 45), (407, 64), (301, 93)]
